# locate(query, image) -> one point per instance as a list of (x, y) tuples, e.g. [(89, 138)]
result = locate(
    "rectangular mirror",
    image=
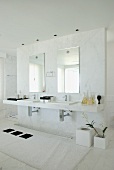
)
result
[(36, 73), (68, 66)]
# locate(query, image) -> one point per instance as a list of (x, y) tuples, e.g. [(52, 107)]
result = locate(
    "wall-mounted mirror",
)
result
[(36, 73), (68, 66)]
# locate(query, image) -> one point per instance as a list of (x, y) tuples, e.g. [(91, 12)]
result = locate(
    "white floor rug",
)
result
[(42, 151)]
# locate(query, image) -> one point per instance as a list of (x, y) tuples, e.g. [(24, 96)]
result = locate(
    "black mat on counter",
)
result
[(8, 130), (15, 99), (26, 136)]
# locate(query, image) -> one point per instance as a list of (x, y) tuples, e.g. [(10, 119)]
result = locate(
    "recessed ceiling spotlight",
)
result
[(55, 35), (37, 39), (77, 29), (23, 44), (67, 51)]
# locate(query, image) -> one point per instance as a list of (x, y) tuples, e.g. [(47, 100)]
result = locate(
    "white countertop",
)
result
[(75, 106)]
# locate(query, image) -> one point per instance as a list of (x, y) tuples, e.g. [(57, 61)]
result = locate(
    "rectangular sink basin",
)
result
[(57, 102), (64, 102), (36, 101)]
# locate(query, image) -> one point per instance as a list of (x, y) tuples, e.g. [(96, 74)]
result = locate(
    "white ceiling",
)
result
[(24, 21)]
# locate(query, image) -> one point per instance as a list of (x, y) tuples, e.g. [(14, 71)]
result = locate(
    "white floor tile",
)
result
[(66, 156), (3, 157), (13, 164)]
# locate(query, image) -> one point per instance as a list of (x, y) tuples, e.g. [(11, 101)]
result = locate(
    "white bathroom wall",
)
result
[(92, 61), (92, 78), (110, 84), (2, 108), (3, 56), (10, 77), (10, 84)]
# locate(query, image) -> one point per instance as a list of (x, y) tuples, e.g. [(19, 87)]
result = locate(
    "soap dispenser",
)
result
[(85, 99), (93, 98)]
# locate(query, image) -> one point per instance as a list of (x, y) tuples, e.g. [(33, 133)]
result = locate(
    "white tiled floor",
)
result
[(48, 152)]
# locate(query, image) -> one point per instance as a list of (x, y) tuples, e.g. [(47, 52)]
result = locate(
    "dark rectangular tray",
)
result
[(15, 99)]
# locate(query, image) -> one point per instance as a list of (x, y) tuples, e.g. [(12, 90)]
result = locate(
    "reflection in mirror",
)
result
[(68, 66), (36, 73)]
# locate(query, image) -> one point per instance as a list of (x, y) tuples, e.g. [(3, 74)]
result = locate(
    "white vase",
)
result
[(100, 142), (85, 136)]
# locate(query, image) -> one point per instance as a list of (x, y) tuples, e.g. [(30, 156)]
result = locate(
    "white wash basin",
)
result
[(57, 102), (64, 102), (36, 101)]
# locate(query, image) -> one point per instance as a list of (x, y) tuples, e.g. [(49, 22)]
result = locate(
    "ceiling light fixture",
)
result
[(77, 29), (55, 35), (67, 51)]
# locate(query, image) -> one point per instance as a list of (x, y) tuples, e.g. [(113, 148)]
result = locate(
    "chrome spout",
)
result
[(66, 98)]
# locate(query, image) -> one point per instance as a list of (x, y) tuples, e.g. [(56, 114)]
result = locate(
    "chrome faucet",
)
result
[(65, 97), (34, 96)]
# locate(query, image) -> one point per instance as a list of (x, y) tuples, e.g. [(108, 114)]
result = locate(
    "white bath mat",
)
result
[(44, 152)]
